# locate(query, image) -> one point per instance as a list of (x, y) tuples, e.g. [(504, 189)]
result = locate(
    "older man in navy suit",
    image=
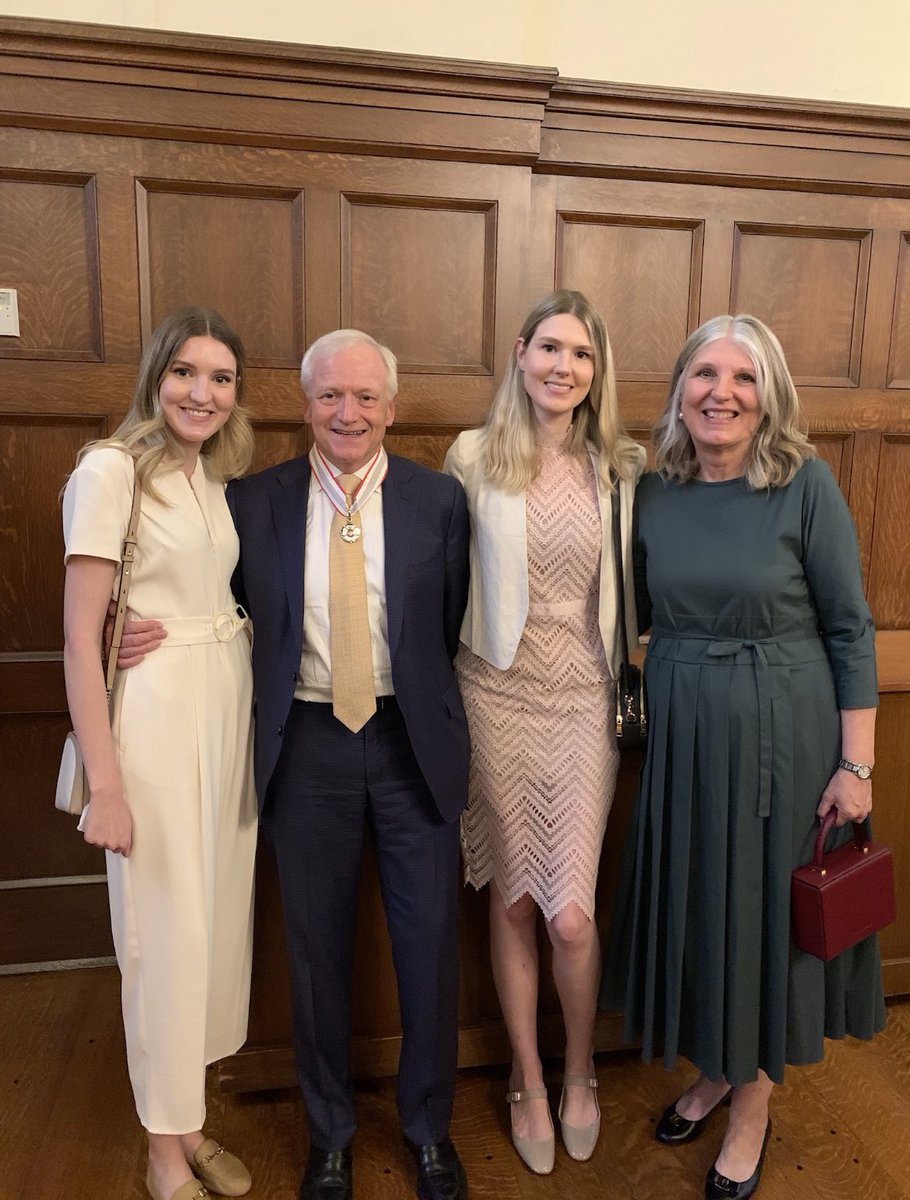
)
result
[(354, 563)]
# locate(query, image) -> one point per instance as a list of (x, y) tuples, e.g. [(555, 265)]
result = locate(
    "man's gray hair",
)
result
[(343, 339)]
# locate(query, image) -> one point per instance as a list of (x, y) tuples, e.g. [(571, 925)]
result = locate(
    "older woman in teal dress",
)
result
[(762, 692)]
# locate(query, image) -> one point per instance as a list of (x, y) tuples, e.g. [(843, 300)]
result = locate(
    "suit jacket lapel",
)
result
[(399, 511), (289, 508)]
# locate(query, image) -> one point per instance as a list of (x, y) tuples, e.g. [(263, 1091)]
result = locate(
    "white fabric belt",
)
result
[(190, 631)]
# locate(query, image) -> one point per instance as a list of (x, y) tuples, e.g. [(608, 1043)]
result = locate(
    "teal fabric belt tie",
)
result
[(763, 688)]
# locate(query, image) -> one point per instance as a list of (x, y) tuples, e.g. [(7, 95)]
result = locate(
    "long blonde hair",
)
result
[(779, 446), (145, 435), (512, 457)]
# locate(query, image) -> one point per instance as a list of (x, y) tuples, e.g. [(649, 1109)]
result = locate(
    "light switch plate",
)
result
[(9, 312)]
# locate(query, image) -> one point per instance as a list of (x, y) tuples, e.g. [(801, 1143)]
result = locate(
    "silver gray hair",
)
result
[(779, 447), (343, 339)]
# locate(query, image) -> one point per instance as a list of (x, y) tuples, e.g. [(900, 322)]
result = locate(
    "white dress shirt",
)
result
[(314, 681)]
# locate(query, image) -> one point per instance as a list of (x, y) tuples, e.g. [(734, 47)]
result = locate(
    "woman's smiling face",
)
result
[(720, 406)]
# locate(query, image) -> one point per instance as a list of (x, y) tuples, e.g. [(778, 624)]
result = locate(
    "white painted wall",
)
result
[(851, 50)]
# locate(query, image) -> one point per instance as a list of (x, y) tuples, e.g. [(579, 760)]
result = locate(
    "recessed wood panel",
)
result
[(836, 450), (238, 251), (809, 285), (55, 924), (37, 841), (277, 441), (418, 274), (427, 444), (643, 276), (889, 575), (49, 254), (36, 456), (899, 357)]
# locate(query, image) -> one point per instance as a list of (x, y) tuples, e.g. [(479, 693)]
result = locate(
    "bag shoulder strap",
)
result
[(127, 555), (616, 507)]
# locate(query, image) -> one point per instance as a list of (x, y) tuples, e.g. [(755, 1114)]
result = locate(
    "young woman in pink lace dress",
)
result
[(539, 649)]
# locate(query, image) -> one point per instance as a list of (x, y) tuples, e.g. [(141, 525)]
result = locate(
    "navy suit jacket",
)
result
[(425, 520)]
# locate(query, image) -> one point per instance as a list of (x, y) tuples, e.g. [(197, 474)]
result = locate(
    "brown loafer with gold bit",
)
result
[(219, 1170)]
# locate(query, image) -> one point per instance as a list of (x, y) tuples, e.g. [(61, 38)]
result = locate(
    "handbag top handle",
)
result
[(860, 841)]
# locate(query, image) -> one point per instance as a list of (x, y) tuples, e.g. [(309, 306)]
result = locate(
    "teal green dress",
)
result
[(760, 635)]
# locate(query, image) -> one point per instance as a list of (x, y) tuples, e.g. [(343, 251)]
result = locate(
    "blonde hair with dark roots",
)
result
[(779, 446), (512, 457), (145, 434)]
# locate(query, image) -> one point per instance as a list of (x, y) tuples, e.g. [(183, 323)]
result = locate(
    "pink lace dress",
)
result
[(544, 761)]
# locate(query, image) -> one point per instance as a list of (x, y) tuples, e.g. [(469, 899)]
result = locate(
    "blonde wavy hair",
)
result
[(779, 446), (512, 457), (145, 435)]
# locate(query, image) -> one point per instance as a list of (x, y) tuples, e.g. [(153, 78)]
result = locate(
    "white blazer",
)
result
[(498, 595)]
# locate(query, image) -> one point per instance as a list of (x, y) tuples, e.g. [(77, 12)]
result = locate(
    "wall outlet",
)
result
[(9, 312)]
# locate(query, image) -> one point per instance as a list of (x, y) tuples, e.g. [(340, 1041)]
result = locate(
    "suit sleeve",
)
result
[(237, 585), (457, 567)]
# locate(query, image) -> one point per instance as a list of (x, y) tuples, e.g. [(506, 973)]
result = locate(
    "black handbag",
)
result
[(631, 709)]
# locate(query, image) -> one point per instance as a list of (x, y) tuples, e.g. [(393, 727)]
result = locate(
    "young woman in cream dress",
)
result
[(170, 777)]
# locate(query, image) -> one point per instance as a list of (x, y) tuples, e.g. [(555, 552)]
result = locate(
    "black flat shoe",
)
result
[(440, 1175), (719, 1187), (328, 1175), (674, 1130)]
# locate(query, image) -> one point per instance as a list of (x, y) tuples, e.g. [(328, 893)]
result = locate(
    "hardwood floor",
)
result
[(68, 1130)]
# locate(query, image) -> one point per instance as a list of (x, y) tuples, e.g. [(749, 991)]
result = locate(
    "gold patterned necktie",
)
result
[(353, 691)]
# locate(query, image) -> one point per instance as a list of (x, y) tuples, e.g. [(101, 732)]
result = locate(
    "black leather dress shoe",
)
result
[(327, 1175), (719, 1187), (440, 1175), (674, 1130)]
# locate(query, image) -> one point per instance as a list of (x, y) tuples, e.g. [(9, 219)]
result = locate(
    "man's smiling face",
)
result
[(348, 405)]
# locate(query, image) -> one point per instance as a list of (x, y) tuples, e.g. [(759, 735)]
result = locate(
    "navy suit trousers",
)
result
[(329, 784)]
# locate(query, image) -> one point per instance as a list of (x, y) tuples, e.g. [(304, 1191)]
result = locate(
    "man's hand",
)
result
[(139, 638)]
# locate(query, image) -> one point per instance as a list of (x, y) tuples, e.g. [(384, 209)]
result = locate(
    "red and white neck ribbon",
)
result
[(372, 479)]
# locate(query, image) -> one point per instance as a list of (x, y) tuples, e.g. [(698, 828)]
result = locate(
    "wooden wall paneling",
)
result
[(425, 444), (277, 441), (862, 497), (644, 276), (323, 257), (418, 273), (898, 373), (892, 827), (837, 451), (237, 250), (36, 455), (889, 574), (49, 254), (809, 286), (880, 295)]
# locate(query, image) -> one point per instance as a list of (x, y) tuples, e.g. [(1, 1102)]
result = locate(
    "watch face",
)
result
[(864, 772)]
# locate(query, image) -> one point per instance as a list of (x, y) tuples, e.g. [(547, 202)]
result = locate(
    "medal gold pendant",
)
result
[(350, 532)]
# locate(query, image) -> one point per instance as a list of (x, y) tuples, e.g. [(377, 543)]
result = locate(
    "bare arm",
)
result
[(851, 796), (85, 600)]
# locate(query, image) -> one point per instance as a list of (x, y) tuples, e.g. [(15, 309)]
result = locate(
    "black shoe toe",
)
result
[(328, 1175), (440, 1175)]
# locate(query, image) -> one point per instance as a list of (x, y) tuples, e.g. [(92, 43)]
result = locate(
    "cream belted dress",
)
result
[(181, 904)]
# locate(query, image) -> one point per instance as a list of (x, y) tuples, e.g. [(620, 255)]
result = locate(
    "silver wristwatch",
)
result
[(862, 770)]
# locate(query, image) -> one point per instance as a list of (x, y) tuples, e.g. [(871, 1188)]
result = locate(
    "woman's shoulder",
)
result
[(108, 461), (468, 446)]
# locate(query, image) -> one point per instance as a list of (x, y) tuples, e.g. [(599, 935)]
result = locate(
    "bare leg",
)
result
[(742, 1142), (513, 951), (168, 1168), (704, 1095), (576, 971)]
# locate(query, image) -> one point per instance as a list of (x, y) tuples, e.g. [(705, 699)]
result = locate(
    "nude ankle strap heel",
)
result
[(579, 1142), (538, 1154)]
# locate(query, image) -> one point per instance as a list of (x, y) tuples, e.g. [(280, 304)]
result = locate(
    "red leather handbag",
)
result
[(842, 897)]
